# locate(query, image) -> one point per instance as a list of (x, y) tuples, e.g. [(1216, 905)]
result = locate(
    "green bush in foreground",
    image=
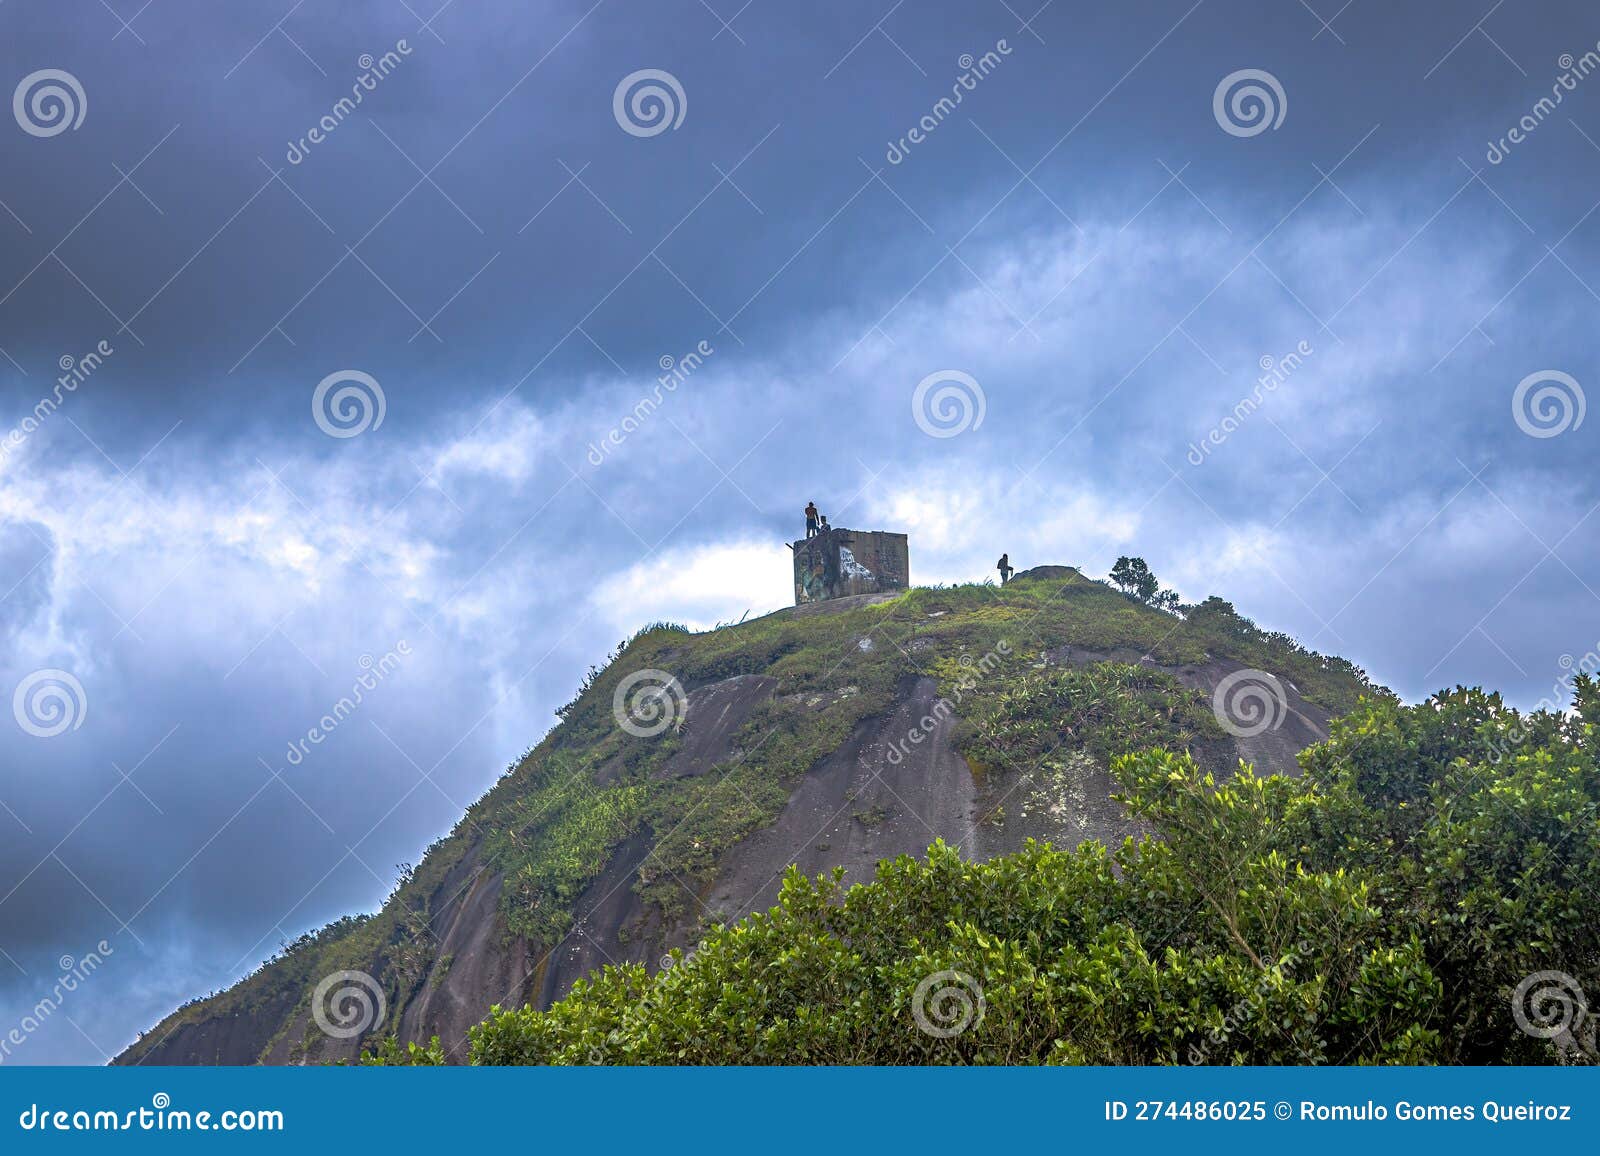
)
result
[(1382, 908)]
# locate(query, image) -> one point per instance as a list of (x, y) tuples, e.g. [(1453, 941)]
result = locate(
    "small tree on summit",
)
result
[(1134, 578)]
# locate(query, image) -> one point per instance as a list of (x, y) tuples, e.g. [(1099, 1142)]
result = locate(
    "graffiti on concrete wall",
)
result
[(837, 563)]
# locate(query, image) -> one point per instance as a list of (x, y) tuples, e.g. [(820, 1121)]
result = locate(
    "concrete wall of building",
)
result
[(837, 563)]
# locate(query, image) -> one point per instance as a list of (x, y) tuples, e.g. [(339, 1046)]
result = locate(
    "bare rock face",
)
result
[(477, 966), (225, 1040), (715, 714), (876, 797)]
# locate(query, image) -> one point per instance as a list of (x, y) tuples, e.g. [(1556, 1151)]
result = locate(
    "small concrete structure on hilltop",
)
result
[(835, 563)]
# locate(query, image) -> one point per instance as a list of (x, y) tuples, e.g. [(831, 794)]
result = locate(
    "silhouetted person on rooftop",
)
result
[(824, 527), (1004, 566), (811, 519)]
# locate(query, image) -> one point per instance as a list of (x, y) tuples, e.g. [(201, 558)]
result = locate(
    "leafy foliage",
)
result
[(1134, 578), (1379, 909), (389, 1054)]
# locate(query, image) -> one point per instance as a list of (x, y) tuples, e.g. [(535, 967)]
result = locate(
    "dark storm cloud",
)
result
[(483, 238)]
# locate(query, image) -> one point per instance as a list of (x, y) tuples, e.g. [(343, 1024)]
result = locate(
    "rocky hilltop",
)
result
[(692, 770)]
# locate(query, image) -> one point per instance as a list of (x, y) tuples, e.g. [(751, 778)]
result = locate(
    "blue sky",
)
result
[(485, 239)]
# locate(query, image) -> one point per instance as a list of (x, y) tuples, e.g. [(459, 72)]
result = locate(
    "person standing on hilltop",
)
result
[(811, 518), (1004, 566)]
